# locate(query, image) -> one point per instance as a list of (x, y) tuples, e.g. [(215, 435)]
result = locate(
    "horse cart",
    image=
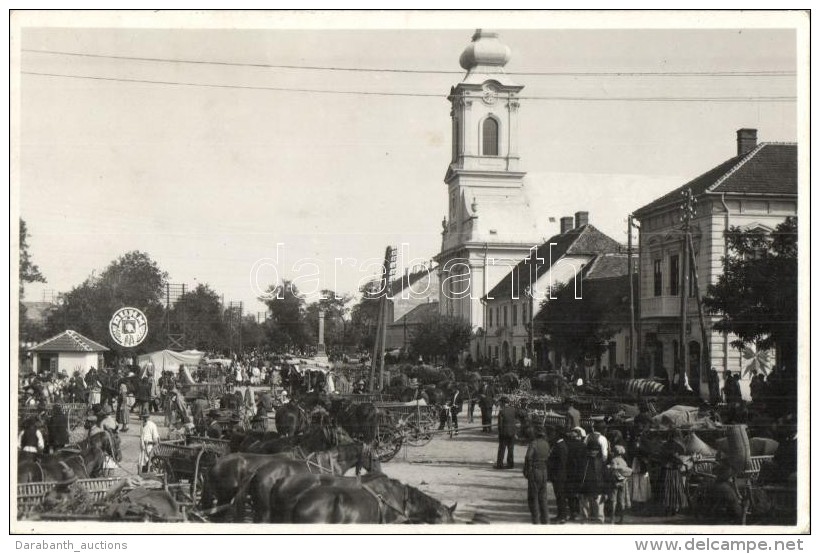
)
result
[(211, 390), (102, 503), (184, 464), (400, 423)]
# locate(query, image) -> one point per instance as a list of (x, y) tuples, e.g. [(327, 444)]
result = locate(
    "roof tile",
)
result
[(68, 341), (770, 168)]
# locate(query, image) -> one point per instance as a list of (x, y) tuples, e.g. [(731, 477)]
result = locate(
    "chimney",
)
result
[(746, 141), (566, 224), (581, 218)]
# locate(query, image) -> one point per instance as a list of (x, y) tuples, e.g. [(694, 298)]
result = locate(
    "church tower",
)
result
[(489, 226)]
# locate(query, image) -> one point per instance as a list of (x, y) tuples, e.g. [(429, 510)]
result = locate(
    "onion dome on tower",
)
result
[(486, 56)]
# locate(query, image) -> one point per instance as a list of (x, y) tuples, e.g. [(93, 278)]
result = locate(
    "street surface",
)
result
[(452, 470)]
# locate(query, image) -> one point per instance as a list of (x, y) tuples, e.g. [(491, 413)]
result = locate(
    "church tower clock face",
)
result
[(489, 94)]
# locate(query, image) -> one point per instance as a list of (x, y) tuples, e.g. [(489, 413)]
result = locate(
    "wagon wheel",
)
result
[(387, 444), (161, 466), (419, 430)]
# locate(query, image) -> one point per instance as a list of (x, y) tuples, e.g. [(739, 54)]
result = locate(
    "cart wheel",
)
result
[(161, 466), (387, 444), (419, 431)]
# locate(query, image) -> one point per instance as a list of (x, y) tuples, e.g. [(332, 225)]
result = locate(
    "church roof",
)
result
[(408, 279), (583, 240), (68, 341), (417, 314), (770, 168), (497, 219)]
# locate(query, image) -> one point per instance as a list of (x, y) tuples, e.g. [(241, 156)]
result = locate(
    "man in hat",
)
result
[(106, 418), (30, 400), (576, 464), (535, 471), (77, 388), (123, 410), (67, 496), (229, 400), (92, 425), (506, 434), (149, 436)]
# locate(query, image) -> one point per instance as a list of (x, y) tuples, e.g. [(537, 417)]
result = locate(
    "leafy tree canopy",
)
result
[(581, 328), (756, 296)]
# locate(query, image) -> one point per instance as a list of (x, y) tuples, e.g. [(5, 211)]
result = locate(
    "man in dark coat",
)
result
[(506, 434), (557, 471), (535, 470), (576, 464)]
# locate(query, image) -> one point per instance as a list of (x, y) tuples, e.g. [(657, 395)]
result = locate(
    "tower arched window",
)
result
[(489, 137)]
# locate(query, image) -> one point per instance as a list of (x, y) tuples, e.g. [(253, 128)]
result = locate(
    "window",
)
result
[(658, 278), (505, 316), (489, 135), (496, 352), (524, 313), (514, 315), (674, 275), (489, 318), (513, 354)]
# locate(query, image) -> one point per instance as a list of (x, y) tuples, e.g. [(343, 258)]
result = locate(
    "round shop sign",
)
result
[(128, 327)]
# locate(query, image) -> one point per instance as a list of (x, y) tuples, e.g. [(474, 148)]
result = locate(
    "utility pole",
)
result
[(704, 349), (687, 211), (381, 328)]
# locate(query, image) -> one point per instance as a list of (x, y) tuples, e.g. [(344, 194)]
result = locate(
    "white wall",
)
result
[(70, 361)]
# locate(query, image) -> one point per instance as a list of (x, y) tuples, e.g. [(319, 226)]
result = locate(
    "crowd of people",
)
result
[(602, 472)]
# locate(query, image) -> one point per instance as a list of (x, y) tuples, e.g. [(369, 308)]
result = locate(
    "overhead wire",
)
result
[(726, 73), (419, 94)]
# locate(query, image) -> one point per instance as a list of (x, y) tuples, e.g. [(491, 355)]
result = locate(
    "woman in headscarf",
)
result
[(674, 463)]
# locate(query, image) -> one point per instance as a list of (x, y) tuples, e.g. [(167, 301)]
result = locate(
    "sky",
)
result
[(208, 180)]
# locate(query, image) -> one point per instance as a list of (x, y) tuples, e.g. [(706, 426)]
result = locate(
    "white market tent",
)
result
[(168, 360)]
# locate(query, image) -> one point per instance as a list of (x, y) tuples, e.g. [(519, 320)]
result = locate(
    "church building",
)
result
[(490, 226)]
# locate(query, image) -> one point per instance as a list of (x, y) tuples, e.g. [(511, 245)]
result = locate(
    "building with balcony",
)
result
[(756, 189)]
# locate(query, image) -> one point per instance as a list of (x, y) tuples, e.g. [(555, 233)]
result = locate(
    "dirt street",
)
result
[(458, 469)]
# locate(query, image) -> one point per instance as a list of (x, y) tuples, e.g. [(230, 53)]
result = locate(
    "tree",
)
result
[(132, 280), (581, 328), (441, 336), (286, 327), (253, 332), (29, 272), (198, 314), (364, 317), (756, 296)]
